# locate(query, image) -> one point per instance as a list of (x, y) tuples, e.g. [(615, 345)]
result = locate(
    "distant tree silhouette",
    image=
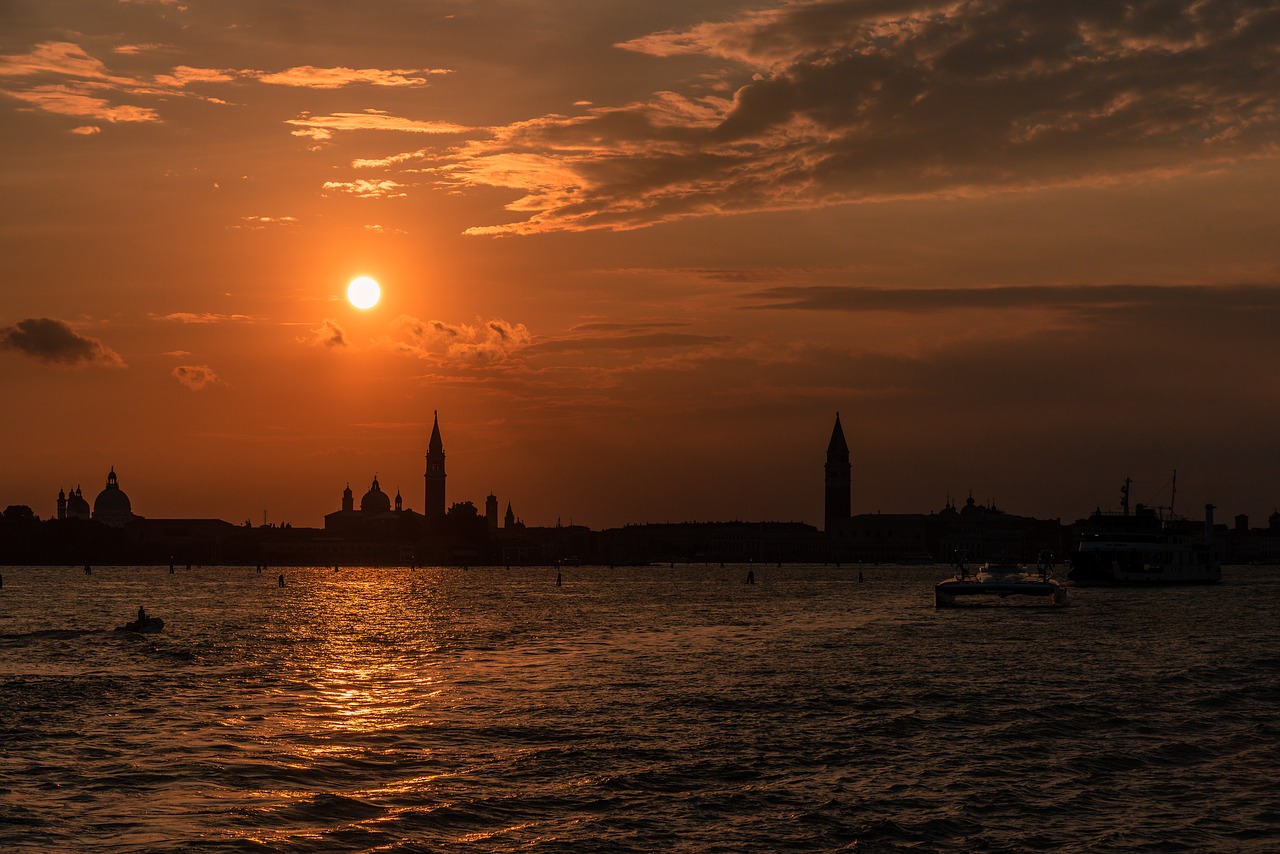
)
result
[(18, 511)]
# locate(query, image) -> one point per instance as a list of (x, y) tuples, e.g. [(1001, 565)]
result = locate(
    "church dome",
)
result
[(112, 505), (375, 500)]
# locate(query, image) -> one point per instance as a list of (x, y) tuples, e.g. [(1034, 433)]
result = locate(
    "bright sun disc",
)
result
[(363, 292)]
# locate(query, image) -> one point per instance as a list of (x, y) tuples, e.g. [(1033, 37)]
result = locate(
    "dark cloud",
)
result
[(865, 101), (55, 343), (1077, 298)]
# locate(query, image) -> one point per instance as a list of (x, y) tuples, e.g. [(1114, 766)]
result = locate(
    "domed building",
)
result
[(374, 519), (375, 500), (72, 505), (112, 506)]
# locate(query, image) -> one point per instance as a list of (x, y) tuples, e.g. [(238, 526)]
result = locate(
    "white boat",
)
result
[(1146, 547), (1002, 580)]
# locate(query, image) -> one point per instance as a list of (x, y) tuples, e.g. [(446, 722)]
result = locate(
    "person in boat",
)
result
[(142, 615)]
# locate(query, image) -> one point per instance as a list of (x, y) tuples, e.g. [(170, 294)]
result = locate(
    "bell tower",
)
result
[(838, 478), (434, 507)]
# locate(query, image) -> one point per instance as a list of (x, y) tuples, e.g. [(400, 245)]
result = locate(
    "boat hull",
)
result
[(1134, 568), (149, 626), (946, 594)]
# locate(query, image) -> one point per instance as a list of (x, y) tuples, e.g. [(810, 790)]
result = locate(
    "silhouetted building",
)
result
[(838, 479), (491, 512), (112, 506), (434, 508), (72, 505), (375, 520), (1251, 545)]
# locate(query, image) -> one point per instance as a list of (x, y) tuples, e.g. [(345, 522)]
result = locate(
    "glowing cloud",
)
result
[(433, 340), (371, 120), (334, 78), (368, 189), (204, 317), (66, 101)]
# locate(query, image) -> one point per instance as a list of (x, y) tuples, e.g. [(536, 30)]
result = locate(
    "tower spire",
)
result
[(435, 494), (838, 479)]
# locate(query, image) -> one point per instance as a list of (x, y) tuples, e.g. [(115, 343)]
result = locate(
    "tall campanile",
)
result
[(839, 480), (434, 507)]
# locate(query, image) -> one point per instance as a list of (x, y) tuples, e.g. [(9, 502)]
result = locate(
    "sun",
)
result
[(363, 292)]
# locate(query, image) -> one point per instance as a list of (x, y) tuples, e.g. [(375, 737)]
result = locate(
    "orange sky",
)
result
[(637, 255)]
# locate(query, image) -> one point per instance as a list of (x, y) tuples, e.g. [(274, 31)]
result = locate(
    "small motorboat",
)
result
[(143, 624), (1000, 579), (149, 626)]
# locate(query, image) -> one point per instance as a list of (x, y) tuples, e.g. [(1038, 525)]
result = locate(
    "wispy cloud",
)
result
[(71, 82), (55, 343), (370, 120), (204, 317), (310, 77), (1074, 298), (65, 79), (258, 223), (185, 75), (847, 101), (385, 189), (66, 101)]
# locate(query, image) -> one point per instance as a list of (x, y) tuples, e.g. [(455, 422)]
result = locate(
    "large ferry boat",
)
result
[(1146, 546)]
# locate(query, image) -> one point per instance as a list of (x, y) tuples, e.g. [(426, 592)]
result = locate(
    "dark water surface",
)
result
[(632, 710)]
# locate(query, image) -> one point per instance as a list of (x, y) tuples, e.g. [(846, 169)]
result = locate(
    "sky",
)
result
[(638, 255)]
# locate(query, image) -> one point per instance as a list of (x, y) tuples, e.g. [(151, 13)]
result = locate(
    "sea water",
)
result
[(638, 709)]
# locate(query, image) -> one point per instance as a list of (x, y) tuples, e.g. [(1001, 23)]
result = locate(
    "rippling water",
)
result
[(631, 710)]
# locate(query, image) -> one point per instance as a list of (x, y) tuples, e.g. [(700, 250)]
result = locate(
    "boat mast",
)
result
[(1124, 496), (1173, 494)]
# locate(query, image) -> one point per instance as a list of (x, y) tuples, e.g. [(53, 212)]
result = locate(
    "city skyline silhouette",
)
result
[(636, 258)]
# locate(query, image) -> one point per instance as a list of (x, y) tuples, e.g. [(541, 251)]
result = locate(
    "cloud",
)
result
[(384, 162), (1082, 299), (329, 334), (62, 59), (370, 120), (195, 377), (491, 342), (184, 75), (849, 101), (55, 343), (64, 79), (386, 189), (204, 317), (66, 101), (69, 81), (333, 78), (257, 223)]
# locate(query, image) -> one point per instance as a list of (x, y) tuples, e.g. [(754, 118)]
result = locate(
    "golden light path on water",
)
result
[(645, 708)]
